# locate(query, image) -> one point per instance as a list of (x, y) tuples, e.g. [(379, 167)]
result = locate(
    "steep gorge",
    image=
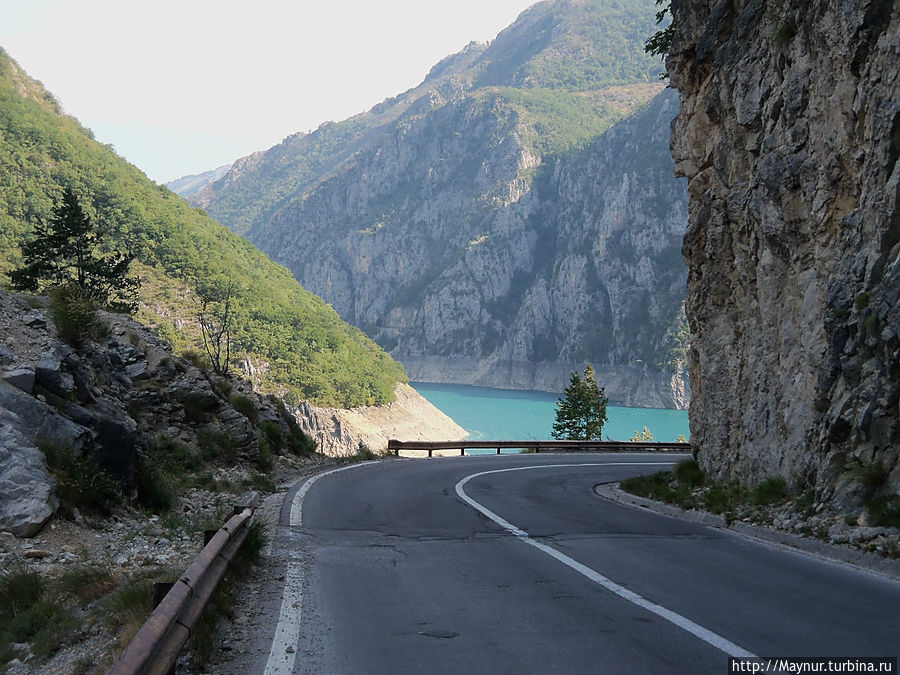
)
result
[(789, 135), (509, 219)]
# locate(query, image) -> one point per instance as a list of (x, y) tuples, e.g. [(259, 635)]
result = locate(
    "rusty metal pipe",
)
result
[(162, 637)]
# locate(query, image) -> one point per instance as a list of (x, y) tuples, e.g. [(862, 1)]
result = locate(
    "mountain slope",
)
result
[(292, 338), (509, 218), (191, 185)]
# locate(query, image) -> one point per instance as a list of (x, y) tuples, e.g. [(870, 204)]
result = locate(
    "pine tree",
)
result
[(581, 412), (64, 253)]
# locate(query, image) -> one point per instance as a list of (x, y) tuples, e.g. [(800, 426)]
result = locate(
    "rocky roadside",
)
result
[(817, 529), (115, 456)]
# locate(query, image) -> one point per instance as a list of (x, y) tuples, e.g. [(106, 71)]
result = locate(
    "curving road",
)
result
[(513, 564)]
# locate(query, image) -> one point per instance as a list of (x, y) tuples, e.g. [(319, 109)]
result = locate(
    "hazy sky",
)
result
[(182, 86)]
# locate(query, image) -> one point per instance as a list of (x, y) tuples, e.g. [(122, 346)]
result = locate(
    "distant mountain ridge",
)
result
[(191, 185), (513, 216)]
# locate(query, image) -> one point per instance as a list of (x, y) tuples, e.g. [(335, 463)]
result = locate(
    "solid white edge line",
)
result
[(287, 632), (708, 636)]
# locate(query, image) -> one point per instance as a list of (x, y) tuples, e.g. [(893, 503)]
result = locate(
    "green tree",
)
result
[(581, 412), (65, 253)]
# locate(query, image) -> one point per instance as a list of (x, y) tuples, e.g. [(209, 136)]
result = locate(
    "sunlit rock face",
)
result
[(789, 135)]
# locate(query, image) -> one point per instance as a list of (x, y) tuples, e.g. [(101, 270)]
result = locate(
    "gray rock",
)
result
[(36, 319), (27, 492), (41, 422), (21, 378), (789, 145), (138, 370), (50, 376)]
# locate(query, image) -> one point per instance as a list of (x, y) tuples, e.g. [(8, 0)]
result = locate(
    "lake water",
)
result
[(505, 415)]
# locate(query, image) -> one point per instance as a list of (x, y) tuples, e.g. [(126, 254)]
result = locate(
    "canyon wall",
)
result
[(789, 135)]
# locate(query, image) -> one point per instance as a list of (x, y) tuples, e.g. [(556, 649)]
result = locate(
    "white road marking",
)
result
[(682, 622), (287, 633)]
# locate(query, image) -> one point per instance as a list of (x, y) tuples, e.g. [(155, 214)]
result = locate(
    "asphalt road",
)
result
[(423, 567)]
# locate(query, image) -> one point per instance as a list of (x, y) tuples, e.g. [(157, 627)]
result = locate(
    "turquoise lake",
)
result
[(505, 415)]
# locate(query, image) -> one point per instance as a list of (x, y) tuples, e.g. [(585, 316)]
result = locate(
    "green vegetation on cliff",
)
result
[(296, 341)]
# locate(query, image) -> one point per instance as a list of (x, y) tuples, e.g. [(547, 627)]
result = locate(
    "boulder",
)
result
[(42, 423), (50, 376), (21, 377), (27, 492)]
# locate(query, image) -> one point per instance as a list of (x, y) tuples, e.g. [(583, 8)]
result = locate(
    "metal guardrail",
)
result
[(162, 637), (395, 446)]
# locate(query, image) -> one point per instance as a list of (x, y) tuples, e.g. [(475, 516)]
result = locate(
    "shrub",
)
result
[(261, 482), (86, 582), (215, 442), (300, 443), (720, 498), (644, 435), (884, 511), (272, 432), (871, 475), (129, 606), (196, 359), (245, 406), (74, 314), (266, 458), (82, 483), (26, 615), (688, 473), (770, 491), (198, 406), (155, 490)]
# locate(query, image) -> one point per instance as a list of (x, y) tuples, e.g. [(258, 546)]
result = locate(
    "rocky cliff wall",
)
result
[(789, 134), (451, 243)]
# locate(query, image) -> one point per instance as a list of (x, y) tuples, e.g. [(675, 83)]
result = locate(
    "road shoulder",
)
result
[(870, 562)]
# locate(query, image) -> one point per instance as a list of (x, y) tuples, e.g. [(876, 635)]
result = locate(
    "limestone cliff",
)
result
[(509, 219), (789, 134), (340, 432)]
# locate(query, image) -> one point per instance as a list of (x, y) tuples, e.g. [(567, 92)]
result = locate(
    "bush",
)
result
[(155, 490), (26, 615), (215, 442), (688, 473), (86, 582), (129, 606), (300, 443), (198, 406), (196, 359), (74, 314), (871, 475), (82, 483), (246, 407), (272, 432), (266, 458), (884, 511), (720, 498), (770, 491)]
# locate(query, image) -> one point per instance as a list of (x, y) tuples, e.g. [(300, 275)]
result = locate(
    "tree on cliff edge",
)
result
[(581, 412)]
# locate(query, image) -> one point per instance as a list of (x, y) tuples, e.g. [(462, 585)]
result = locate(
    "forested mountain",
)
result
[(291, 338), (511, 217)]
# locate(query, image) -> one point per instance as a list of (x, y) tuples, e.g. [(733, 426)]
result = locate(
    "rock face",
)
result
[(27, 493), (113, 402), (585, 265), (475, 231), (789, 135), (410, 417)]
